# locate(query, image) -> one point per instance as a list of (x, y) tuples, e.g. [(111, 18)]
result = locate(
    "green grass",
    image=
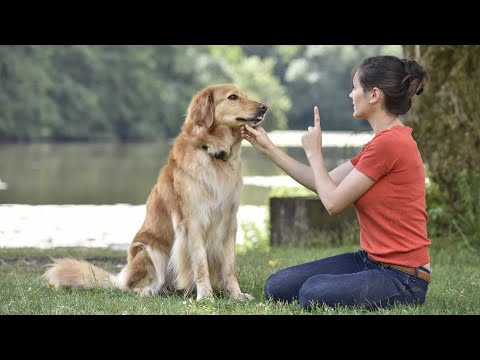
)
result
[(454, 289)]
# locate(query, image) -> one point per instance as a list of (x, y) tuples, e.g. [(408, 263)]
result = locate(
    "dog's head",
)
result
[(225, 104)]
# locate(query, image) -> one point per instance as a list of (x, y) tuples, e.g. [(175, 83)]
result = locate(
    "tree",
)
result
[(319, 75), (121, 92), (446, 124)]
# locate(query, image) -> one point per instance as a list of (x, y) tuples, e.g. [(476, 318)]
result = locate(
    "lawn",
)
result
[(454, 289)]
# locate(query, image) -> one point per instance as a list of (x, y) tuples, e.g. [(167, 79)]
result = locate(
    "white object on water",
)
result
[(3, 185), (271, 181)]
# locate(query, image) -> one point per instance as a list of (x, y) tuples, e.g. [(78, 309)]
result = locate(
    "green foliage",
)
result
[(438, 210), (141, 92), (255, 76), (467, 221), (26, 111), (446, 125), (461, 220), (119, 92), (255, 238), (319, 75)]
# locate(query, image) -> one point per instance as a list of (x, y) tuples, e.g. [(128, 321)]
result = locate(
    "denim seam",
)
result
[(405, 288), (396, 294), (390, 296)]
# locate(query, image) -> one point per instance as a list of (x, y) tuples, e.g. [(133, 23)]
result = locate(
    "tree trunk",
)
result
[(303, 221)]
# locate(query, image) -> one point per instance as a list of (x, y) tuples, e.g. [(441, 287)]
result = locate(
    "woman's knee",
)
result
[(277, 287), (316, 292), (272, 287), (307, 297)]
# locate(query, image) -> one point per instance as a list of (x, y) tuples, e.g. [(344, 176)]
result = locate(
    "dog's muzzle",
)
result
[(259, 117)]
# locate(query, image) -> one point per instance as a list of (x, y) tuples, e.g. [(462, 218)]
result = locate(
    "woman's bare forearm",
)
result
[(302, 173), (298, 171), (341, 172)]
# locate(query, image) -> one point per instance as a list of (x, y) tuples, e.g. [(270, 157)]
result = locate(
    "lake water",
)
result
[(94, 194), (125, 173)]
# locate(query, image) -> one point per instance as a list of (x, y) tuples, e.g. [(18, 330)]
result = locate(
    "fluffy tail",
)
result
[(74, 273)]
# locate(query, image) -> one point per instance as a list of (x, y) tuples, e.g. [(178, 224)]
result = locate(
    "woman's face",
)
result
[(360, 99)]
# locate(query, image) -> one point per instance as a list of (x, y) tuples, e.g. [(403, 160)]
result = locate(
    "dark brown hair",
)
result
[(399, 79)]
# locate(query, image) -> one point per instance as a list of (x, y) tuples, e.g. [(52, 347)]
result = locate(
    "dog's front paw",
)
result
[(148, 291), (204, 291), (242, 296), (207, 298)]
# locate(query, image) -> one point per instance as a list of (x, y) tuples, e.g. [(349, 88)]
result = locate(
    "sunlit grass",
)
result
[(454, 288)]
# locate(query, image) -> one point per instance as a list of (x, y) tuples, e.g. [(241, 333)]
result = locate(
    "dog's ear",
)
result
[(202, 108)]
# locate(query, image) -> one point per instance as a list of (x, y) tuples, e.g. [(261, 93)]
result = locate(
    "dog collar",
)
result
[(222, 155)]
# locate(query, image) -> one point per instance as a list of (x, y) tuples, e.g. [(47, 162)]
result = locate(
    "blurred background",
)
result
[(85, 129), (93, 124)]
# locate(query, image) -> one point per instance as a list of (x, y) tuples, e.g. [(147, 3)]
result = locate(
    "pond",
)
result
[(94, 194), (123, 173)]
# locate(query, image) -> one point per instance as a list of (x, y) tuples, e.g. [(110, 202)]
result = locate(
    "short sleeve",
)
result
[(377, 158), (355, 159)]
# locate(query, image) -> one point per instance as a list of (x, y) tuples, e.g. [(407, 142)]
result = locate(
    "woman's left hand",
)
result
[(312, 140)]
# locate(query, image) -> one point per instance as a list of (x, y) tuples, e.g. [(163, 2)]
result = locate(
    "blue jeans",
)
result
[(347, 279)]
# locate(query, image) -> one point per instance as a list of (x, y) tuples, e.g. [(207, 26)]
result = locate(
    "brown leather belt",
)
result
[(420, 273)]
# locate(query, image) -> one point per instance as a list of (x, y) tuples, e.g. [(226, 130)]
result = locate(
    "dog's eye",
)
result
[(233, 97)]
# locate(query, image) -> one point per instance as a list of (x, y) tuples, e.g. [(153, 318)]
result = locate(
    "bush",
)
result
[(461, 219)]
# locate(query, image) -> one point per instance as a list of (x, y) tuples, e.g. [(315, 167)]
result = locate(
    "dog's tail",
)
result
[(68, 272)]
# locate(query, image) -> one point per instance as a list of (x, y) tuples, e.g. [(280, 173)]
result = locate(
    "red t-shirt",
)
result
[(392, 213)]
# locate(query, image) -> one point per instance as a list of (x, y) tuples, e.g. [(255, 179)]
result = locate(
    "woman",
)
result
[(386, 184)]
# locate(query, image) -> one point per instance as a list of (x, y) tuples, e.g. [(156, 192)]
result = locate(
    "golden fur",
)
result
[(187, 240)]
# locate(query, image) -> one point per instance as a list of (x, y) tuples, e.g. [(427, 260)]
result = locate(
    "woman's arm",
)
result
[(300, 172), (335, 197), (340, 172)]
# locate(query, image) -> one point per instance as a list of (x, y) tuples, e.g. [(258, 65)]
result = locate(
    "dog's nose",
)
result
[(262, 107)]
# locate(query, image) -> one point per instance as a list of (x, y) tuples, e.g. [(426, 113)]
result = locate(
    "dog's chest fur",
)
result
[(218, 181), (208, 183)]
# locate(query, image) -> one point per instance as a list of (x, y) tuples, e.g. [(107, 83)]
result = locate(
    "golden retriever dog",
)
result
[(187, 240)]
